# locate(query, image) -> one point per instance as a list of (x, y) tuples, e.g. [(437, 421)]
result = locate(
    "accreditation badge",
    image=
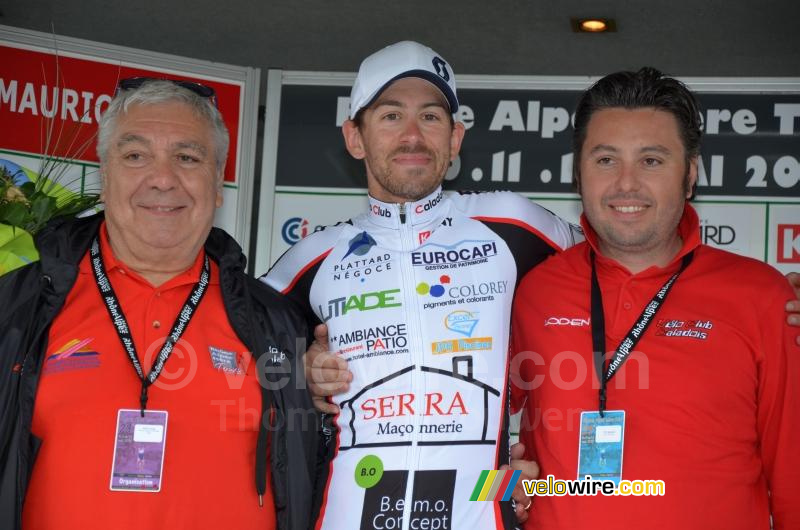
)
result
[(139, 450), (601, 445)]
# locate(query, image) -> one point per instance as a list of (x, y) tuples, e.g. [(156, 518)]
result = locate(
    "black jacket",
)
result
[(32, 296)]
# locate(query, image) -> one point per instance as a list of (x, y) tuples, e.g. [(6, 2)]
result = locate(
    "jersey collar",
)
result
[(392, 215)]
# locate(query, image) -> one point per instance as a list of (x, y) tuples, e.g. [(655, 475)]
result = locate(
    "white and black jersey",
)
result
[(417, 298)]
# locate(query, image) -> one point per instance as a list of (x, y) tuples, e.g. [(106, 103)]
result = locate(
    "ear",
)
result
[(353, 140), (456, 137), (691, 176), (220, 181), (103, 183)]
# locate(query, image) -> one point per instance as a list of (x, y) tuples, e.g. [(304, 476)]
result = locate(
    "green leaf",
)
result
[(76, 204), (28, 189), (13, 213), (42, 208)]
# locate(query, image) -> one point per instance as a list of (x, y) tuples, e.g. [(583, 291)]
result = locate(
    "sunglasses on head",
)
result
[(201, 90)]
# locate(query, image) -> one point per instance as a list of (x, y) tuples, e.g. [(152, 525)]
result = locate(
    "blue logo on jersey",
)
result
[(435, 290), (360, 245), (471, 251), (462, 322)]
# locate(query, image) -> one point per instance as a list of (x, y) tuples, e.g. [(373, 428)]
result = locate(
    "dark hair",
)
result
[(631, 90)]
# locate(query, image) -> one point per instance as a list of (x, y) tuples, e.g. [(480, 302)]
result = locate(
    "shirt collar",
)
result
[(189, 276), (416, 213)]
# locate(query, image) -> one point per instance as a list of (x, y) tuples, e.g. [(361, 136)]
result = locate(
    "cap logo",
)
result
[(441, 68)]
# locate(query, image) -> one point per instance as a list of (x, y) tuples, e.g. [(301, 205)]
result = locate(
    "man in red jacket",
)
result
[(129, 398), (699, 388)]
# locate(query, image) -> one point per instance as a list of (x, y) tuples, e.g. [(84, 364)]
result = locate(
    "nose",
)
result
[(163, 176), (411, 132), (628, 177)]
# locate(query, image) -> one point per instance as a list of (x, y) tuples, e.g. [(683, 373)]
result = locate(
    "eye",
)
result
[(431, 116), (134, 158), (187, 158), (651, 161), (604, 161), (391, 116)]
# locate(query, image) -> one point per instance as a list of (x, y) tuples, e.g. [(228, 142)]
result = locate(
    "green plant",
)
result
[(32, 204), (28, 201)]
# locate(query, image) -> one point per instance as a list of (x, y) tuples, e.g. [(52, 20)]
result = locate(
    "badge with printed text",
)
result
[(225, 361), (601, 445), (139, 450)]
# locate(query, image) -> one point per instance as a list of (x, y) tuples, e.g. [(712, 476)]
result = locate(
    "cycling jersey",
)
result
[(417, 299)]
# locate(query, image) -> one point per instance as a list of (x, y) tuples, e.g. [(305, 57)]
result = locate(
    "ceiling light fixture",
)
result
[(593, 25)]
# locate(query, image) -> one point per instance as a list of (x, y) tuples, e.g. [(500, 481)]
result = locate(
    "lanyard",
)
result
[(123, 330), (605, 371)]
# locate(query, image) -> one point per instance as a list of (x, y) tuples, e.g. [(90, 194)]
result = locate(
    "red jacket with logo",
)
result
[(710, 394)]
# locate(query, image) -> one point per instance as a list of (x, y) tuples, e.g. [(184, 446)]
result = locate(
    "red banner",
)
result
[(43, 91)]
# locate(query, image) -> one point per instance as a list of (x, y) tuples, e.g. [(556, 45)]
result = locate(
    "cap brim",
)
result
[(432, 78)]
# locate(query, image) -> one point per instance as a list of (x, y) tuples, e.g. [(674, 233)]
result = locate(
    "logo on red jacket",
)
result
[(567, 321), (788, 244), (74, 355), (685, 328), (229, 362)]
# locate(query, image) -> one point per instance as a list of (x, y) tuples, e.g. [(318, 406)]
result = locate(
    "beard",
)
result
[(410, 184)]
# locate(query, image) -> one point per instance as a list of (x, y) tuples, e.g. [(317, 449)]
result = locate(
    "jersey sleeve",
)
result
[(294, 272), (531, 231), (779, 410)]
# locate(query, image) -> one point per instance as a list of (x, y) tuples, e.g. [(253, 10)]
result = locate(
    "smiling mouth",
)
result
[(162, 209), (414, 155), (629, 209), (417, 160)]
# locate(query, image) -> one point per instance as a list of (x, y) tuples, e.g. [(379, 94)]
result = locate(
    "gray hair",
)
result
[(156, 91)]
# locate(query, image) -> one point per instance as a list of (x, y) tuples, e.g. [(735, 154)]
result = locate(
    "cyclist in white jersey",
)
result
[(416, 293)]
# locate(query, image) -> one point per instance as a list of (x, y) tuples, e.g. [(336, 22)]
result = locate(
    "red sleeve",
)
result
[(517, 343), (779, 412), (520, 372)]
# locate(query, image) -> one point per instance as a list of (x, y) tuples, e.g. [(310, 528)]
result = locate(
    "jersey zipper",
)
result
[(413, 318)]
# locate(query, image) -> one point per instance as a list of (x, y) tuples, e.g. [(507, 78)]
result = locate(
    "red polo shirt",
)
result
[(710, 394), (207, 479)]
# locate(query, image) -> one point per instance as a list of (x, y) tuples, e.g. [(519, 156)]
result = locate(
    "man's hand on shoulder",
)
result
[(326, 373)]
